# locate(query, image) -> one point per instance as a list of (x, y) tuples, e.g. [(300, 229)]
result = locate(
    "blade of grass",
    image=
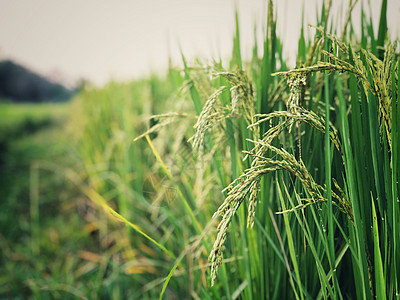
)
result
[(189, 210), (99, 200), (379, 278), (236, 53), (328, 177), (193, 91), (171, 273), (292, 250), (382, 29), (395, 176), (282, 249), (356, 236)]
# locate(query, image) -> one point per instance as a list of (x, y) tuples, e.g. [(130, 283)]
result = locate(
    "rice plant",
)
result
[(333, 181)]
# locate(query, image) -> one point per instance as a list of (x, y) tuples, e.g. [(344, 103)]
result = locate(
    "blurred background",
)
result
[(79, 80), (99, 40)]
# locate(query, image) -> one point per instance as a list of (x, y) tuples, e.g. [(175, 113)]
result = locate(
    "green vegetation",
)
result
[(306, 159), (38, 226)]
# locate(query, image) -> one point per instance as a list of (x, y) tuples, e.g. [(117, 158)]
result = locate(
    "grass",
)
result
[(24, 118), (306, 159), (39, 226)]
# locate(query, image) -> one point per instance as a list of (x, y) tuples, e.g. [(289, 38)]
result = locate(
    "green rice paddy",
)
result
[(241, 181)]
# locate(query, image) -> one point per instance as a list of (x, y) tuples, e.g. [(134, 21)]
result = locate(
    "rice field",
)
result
[(245, 180)]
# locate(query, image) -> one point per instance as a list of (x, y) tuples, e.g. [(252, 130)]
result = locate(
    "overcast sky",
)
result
[(99, 39)]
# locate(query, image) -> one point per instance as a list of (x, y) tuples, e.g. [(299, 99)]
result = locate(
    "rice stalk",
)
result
[(381, 73), (242, 104), (248, 184), (164, 120)]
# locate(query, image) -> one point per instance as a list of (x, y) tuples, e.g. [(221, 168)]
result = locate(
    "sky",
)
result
[(100, 40)]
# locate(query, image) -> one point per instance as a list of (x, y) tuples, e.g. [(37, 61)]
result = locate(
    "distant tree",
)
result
[(20, 84)]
